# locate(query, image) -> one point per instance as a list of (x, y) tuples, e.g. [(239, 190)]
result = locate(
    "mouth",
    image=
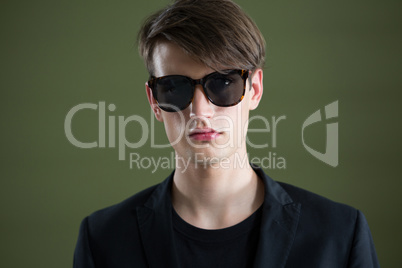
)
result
[(206, 134)]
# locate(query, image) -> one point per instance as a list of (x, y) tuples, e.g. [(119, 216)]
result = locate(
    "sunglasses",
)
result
[(175, 92)]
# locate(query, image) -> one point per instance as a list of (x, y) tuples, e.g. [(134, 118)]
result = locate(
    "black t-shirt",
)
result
[(232, 247)]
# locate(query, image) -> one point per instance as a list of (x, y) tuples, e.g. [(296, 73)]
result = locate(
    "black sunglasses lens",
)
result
[(173, 93), (225, 89)]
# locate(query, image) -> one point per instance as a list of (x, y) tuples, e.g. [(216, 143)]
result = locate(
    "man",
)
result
[(205, 61)]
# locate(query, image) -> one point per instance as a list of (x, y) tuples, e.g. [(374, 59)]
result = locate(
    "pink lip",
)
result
[(204, 134)]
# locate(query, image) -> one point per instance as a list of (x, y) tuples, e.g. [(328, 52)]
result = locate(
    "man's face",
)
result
[(203, 132)]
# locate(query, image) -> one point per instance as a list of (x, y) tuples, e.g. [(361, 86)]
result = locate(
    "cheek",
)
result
[(238, 115), (174, 127)]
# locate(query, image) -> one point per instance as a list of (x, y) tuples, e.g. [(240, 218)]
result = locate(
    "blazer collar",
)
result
[(280, 218), (155, 224), (278, 227)]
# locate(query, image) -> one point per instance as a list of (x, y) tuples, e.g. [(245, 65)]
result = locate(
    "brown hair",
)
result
[(218, 33)]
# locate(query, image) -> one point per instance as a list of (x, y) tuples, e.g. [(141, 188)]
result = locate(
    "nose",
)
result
[(201, 106)]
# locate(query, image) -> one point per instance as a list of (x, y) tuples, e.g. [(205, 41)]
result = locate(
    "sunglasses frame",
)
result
[(244, 74)]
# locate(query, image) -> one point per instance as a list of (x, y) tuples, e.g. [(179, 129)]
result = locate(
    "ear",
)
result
[(154, 105), (256, 88)]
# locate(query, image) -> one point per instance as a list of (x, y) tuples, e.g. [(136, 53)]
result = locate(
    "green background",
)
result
[(58, 54)]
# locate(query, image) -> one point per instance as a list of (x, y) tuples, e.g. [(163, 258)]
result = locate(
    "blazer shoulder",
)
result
[(319, 205), (110, 236), (339, 232), (119, 214)]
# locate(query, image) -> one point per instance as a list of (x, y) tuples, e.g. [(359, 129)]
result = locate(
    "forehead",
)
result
[(170, 59)]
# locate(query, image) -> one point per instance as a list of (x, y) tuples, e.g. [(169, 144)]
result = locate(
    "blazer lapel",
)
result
[(278, 227), (155, 224), (280, 217)]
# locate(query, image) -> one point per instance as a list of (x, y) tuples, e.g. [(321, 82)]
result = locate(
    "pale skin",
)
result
[(213, 191)]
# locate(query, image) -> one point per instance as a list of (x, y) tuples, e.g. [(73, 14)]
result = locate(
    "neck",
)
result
[(216, 195)]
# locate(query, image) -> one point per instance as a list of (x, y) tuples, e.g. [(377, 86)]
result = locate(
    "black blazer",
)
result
[(298, 229)]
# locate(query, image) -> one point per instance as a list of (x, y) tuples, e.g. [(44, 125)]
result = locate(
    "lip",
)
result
[(206, 134)]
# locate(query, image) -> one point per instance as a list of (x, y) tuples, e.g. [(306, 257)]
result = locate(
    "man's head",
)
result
[(183, 46), (217, 33)]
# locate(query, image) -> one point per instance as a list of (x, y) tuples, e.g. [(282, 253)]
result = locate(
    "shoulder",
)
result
[(312, 206), (111, 236), (318, 203), (338, 232), (120, 215), (322, 216)]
